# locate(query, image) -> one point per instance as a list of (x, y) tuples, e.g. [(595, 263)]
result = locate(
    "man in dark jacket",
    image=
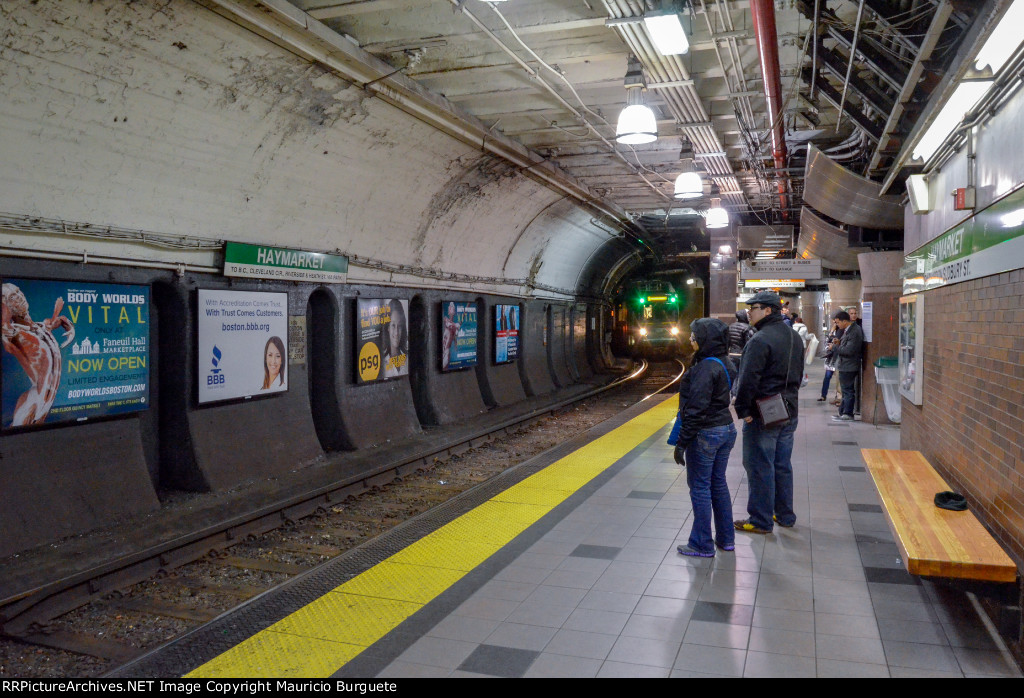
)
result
[(848, 355), (772, 364), (740, 333)]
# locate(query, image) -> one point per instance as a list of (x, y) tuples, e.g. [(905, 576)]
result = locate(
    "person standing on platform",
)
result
[(848, 360), (740, 333), (706, 437), (831, 342), (786, 317), (772, 365)]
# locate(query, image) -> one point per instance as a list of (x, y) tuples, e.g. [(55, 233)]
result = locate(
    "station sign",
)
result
[(263, 262), (990, 242), (775, 283), (780, 269)]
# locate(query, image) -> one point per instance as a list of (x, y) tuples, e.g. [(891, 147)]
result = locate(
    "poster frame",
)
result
[(442, 314), (519, 332), (358, 344), (127, 414), (202, 404)]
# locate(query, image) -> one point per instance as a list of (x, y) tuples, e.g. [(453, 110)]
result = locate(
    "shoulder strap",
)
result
[(715, 358)]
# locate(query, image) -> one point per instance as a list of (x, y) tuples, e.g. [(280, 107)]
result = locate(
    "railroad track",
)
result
[(104, 617)]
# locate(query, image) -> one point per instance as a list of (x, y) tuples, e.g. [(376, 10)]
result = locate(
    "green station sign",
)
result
[(263, 262), (989, 242)]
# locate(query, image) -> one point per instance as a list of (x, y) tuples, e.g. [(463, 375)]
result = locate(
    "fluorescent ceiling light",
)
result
[(920, 198), (964, 98), (1003, 41), (667, 33)]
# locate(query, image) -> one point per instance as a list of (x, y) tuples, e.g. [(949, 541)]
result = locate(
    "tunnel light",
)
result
[(717, 217), (643, 331), (725, 249), (667, 33), (674, 331), (1001, 44), (689, 282), (964, 98)]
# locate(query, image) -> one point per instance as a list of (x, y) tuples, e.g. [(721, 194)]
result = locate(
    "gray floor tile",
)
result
[(622, 584), (762, 665), (573, 579), (733, 614), (518, 636), (576, 643), (700, 632), (838, 669), (621, 670), (973, 636), (641, 650), (534, 614), (499, 661), (775, 641), (705, 659), (912, 631), (789, 600), (724, 595), (919, 656), (852, 649), (844, 606), (609, 601), (438, 652), (665, 607), (555, 596), (903, 610), (561, 666), (782, 619), (846, 626), (482, 607), (656, 627), (546, 561), (592, 621), (674, 589), (900, 672), (464, 628)]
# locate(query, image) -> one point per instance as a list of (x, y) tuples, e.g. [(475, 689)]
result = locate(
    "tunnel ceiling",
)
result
[(550, 75)]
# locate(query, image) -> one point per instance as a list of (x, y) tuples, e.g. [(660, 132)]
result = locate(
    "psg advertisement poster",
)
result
[(382, 339), (73, 350), (458, 335)]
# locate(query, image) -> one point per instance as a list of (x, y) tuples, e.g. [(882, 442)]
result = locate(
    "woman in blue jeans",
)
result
[(706, 437)]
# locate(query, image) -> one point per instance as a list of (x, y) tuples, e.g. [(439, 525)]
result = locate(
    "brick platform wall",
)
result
[(971, 425)]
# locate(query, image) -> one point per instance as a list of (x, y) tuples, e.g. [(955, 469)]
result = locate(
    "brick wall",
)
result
[(971, 425)]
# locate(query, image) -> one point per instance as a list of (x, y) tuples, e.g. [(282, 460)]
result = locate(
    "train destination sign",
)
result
[(263, 262), (780, 269)]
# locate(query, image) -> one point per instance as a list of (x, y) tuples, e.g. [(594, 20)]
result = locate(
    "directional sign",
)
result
[(781, 269)]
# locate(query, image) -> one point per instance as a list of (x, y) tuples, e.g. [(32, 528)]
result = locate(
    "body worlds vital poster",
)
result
[(73, 350)]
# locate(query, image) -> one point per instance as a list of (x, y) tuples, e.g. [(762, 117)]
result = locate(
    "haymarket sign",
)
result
[(990, 242), (262, 262)]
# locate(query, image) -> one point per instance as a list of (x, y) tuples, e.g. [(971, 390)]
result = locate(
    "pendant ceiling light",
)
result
[(636, 124), (688, 184), (717, 216)]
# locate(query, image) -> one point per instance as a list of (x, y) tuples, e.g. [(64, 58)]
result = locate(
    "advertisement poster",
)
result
[(73, 350), (458, 335), (506, 335), (382, 339), (243, 344)]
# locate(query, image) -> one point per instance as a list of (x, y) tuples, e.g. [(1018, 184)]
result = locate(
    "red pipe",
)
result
[(763, 15)]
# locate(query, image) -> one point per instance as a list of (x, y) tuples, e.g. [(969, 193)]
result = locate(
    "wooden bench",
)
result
[(934, 542)]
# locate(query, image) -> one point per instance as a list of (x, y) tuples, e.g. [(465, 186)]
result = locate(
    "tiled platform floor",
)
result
[(604, 593)]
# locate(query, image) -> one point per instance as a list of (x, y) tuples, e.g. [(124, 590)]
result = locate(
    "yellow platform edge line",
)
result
[(312, 641)]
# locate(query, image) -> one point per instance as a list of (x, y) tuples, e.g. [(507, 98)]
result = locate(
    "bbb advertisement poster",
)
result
[(243, 344), (458, 335), (382, 339), (506, 333), (73, 350)]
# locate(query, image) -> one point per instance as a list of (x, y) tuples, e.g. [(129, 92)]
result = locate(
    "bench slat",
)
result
[(933, 542)]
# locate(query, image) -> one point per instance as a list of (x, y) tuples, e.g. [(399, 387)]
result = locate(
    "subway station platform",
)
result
[(566, 566)]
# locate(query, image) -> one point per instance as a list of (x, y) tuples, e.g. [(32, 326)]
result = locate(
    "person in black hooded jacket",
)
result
[(740, 333), (706, 437)]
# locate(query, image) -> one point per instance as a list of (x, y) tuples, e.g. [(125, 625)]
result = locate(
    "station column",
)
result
[(881, 288)]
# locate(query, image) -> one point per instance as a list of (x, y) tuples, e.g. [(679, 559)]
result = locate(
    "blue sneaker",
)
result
[(727, 548), (690, 552)]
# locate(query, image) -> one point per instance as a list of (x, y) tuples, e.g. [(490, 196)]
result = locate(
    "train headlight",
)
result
[(643, 331), (675, 331)]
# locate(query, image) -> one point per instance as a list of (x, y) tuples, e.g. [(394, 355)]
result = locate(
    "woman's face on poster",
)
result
[(394, 336), (273, 359)]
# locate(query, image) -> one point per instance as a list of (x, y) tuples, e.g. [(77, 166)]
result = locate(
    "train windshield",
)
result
[(658, 312)]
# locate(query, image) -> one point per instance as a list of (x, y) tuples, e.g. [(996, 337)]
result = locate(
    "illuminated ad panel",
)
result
[(458, 335), (506, 333), (73, 350), (382, 339)]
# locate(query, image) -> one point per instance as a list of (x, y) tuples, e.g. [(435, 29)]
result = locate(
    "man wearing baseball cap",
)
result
[(772, 364)]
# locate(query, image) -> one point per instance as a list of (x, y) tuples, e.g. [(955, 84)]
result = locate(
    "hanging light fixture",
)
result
[(717, 216), (688, 184), (636, 124), (665, 27)]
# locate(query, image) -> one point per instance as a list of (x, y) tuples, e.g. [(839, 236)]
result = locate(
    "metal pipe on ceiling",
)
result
[(765, 34), (849, 66)]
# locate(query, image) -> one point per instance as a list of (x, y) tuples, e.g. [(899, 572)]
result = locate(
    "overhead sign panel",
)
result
[(780, 269), (764, 237), (263, 262), (774, 283)]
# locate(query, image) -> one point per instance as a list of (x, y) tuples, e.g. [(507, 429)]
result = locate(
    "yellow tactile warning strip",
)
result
[(321, 637)]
